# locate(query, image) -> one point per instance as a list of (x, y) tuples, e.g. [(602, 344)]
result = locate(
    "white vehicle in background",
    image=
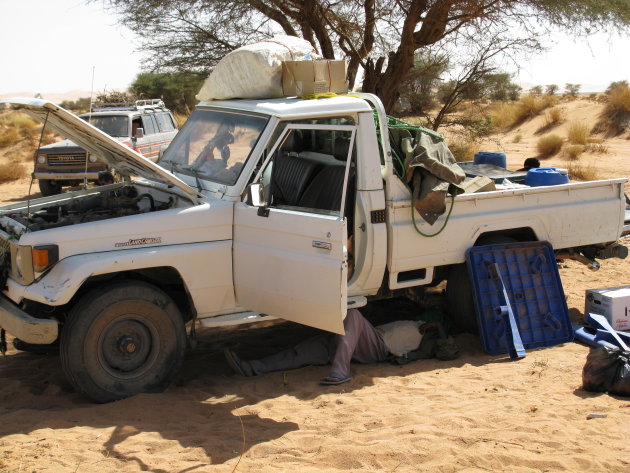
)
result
[(249, 215), (146, 126)]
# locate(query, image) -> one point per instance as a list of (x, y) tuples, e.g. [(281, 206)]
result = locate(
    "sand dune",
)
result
[(478, 413)]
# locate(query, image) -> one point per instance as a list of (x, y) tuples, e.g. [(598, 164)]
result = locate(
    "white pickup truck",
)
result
[(283, 208)]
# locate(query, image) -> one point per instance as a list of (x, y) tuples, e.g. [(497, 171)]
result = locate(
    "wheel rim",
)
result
[(128, 346)]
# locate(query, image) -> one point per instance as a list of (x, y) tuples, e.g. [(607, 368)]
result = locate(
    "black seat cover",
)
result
[(291, 176)]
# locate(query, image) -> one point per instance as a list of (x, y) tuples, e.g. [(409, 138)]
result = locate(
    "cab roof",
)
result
[(295, 107)]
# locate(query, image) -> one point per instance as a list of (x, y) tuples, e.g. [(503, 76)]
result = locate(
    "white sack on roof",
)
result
[(255, 71)]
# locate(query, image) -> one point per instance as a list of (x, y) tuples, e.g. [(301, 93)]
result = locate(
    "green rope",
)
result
[(393, 122)]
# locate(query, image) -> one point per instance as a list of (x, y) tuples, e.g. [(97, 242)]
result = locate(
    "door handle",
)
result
[(322, 244)]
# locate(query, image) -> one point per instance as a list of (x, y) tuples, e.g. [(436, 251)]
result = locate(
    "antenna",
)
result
[(89, 121)]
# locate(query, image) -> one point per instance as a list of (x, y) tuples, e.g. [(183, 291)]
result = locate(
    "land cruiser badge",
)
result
[(139, 241)]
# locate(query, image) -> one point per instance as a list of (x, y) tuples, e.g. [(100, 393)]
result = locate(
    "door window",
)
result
[(311, 169), (149, 124), (165, 122)]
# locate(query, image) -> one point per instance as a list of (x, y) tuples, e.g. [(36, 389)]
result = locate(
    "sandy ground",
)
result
[(478, 413)]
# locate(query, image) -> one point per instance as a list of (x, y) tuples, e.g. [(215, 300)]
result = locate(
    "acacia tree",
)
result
[(381, 36)]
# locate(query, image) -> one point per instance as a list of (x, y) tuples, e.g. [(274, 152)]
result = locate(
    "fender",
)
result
[(198, 264)]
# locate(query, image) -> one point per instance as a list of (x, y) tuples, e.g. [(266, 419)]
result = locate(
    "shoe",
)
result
[(239, 366), (334, 380)]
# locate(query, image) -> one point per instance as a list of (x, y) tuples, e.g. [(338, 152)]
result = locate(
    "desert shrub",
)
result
[(18, 120), (573, 151), (550, 100), (578, 133), (615, 118), (503, 115), (572, 90), (582, 172), (463, 148), (9, 137), (551, 89), (536, 90), (180, 119), (11, 172), (596, 148), (529, 106), (517, 138), (549, 145), (554, 116)]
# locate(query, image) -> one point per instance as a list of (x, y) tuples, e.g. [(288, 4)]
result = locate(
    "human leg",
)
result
[(313, 351), (361, 343)]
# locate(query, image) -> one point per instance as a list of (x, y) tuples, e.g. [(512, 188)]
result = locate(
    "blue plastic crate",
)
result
[(534, 292)]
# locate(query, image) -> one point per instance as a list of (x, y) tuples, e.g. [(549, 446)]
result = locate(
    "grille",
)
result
[(67, 159)]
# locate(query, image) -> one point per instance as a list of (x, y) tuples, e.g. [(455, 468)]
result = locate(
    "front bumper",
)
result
[(66, 175), (25, 327)]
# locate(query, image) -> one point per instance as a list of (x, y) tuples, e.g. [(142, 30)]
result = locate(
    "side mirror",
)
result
[(255, 196), (139, 133)]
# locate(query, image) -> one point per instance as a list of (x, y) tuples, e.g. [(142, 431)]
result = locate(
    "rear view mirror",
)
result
[(139, 133), (255, 196)]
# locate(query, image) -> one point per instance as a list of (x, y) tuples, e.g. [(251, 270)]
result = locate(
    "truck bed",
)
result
[(568, 215)]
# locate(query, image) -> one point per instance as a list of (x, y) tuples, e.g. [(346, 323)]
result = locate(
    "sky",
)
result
[(57, 46)]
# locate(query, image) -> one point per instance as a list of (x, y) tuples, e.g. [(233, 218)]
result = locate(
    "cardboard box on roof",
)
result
[(314, 77), (611, 302)]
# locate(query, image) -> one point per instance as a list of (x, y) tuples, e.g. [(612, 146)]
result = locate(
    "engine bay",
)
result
[(118, 200)]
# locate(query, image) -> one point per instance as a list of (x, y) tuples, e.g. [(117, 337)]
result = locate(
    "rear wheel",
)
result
[(49, 187), (123, 340), (459, 297)]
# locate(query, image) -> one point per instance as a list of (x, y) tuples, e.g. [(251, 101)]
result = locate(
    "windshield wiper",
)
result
[(195, 173)]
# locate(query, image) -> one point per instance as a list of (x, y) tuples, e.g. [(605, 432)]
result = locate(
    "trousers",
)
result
[(361, 343)]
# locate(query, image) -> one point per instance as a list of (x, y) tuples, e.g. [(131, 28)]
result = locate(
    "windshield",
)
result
[(214, 144), (113, 126)]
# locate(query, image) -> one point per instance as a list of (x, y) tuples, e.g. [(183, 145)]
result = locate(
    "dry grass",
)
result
[(9, 137), (506, 115), (11, 172), (180, 119), (578, 133), (517, 138), (573, 152), (549, 145), (616, 116), (18, 120), (596, 148), (554, 116), (463, 148), (581, 172)]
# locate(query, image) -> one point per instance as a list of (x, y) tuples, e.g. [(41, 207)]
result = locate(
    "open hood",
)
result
[(113, 152)]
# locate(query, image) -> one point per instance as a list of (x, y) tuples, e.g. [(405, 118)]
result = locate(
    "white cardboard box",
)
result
[(611, 302)]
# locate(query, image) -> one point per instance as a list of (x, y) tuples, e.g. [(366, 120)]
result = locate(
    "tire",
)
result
[(121, 340), (49, 187), (459, 297)]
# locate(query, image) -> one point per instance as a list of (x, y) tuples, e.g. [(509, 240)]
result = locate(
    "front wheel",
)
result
[(121, 340), (49, 187)]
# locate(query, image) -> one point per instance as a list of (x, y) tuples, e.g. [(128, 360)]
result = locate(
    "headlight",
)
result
[(41, 159), (19, 262), (93, 158)]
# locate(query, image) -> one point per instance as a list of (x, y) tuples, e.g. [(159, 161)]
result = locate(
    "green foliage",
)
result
[(492, 86), (419, 87), (536, 90), (115, 96), (572, 89), (551, 89), (177, 89), (80, 105)]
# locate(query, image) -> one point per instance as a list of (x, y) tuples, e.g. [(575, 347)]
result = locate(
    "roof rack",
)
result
[(129, 106)]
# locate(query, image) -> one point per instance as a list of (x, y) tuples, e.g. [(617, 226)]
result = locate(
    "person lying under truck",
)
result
[(362, 342)]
